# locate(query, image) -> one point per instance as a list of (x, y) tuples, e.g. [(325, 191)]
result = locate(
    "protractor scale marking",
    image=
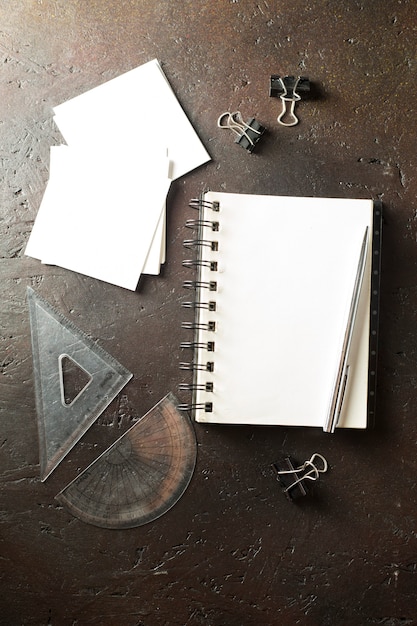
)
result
[(141, 476)]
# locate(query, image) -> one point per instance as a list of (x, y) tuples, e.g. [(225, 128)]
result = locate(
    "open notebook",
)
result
[(271, 303)]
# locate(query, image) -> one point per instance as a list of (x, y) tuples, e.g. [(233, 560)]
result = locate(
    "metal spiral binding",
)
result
[(207, 406), (209, 345), (197, 223), (200, 263), (200, 243), (196, 304), (199, 203), (199, 284), (210, 326), (207, 367), (192, 387), (194, 243)]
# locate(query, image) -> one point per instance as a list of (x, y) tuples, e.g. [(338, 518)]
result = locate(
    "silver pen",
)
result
[(343, 369)]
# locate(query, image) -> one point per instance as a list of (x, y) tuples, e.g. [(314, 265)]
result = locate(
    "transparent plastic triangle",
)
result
[(62, 422)]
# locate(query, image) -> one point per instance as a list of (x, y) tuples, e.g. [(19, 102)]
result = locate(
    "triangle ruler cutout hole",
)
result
[(75, 381)]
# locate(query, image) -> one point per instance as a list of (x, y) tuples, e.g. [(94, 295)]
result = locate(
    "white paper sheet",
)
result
[(138, 107), (103, 212), (103, 231)]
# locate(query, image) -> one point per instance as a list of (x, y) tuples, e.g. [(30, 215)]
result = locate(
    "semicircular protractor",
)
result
[(141, 476)]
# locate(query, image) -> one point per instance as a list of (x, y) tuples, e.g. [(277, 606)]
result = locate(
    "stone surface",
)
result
[(233, 551)]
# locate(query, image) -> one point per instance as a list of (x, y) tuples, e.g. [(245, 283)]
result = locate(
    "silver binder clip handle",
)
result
[(235, 123), (247, 133), (287, 116), (315, 471), (309, 470)]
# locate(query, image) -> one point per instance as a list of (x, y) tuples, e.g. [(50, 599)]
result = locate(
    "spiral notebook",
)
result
[(269, 302)]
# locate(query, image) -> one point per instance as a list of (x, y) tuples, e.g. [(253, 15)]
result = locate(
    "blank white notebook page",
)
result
[(286, 271)]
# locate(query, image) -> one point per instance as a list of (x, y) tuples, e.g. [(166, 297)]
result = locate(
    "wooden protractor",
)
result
[(141, 476)]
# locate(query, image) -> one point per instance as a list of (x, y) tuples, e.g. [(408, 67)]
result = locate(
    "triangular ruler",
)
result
[(57, 342)]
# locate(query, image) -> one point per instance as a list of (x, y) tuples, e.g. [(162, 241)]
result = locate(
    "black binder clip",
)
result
[(294, 479), (248, 133), (288, 88)]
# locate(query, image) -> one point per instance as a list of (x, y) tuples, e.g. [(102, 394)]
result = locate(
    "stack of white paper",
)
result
[(103, 212)]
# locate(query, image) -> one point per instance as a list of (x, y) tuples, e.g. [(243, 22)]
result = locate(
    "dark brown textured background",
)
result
[(233, 551)]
